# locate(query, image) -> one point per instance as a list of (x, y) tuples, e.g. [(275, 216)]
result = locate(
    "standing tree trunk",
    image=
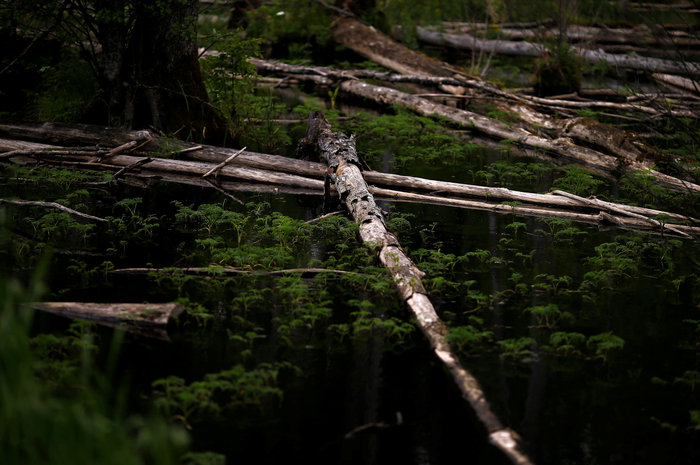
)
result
[(148, 69)]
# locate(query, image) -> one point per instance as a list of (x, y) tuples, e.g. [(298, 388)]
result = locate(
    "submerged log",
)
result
[(338, 151)]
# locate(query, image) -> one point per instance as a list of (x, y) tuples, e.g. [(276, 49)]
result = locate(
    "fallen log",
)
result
[(603, 35), (678, 82), (225, 271), (561, 146), (370, 43), (434, 192), (53, 205), (149, 320), (339, 153), (521, 48)]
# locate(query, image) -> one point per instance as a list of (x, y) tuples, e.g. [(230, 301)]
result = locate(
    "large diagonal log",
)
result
[(338, 151)]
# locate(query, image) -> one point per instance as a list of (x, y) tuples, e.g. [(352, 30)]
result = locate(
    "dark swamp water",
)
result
[(585, 341)]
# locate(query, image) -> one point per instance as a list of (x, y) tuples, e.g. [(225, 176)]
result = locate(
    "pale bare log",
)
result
[(225, 271), (678, 81), (641, 34), (277, 183)]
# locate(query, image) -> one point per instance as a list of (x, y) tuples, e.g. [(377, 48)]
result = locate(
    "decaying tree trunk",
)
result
[(641, 34), (148, 68), (338, 151)]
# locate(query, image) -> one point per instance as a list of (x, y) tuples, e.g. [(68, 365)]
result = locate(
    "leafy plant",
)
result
[(220, 392), (604, 343), (517, 348)]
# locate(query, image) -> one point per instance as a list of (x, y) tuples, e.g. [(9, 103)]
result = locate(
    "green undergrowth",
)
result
[(56, 405)]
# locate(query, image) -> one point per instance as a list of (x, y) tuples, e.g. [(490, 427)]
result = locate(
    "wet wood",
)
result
[(600, 215), (601, 36), (338, 151), (573, 136)]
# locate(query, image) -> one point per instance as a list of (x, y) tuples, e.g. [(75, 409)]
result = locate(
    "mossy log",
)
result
[(338, 151)]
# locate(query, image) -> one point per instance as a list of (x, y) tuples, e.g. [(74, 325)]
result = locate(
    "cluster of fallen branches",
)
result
[(613, 151), (229, 171)]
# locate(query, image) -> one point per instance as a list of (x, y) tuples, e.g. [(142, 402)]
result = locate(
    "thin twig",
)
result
[(223, 191), (324, 216), (34, 203), (208, 271), (132, 166), (223, 163), (129, 145)]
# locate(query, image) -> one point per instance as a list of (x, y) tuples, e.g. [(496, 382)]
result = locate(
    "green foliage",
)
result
[(511, 173), (220, 393), (565, 343), (464, 338), (229, 78), (576, 180), (368, 321), (213, 220), (405, 138), (291, 22), (66, 90), (604, 343), (561, 230), (77, 426), (548, 316), (517, 348)]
